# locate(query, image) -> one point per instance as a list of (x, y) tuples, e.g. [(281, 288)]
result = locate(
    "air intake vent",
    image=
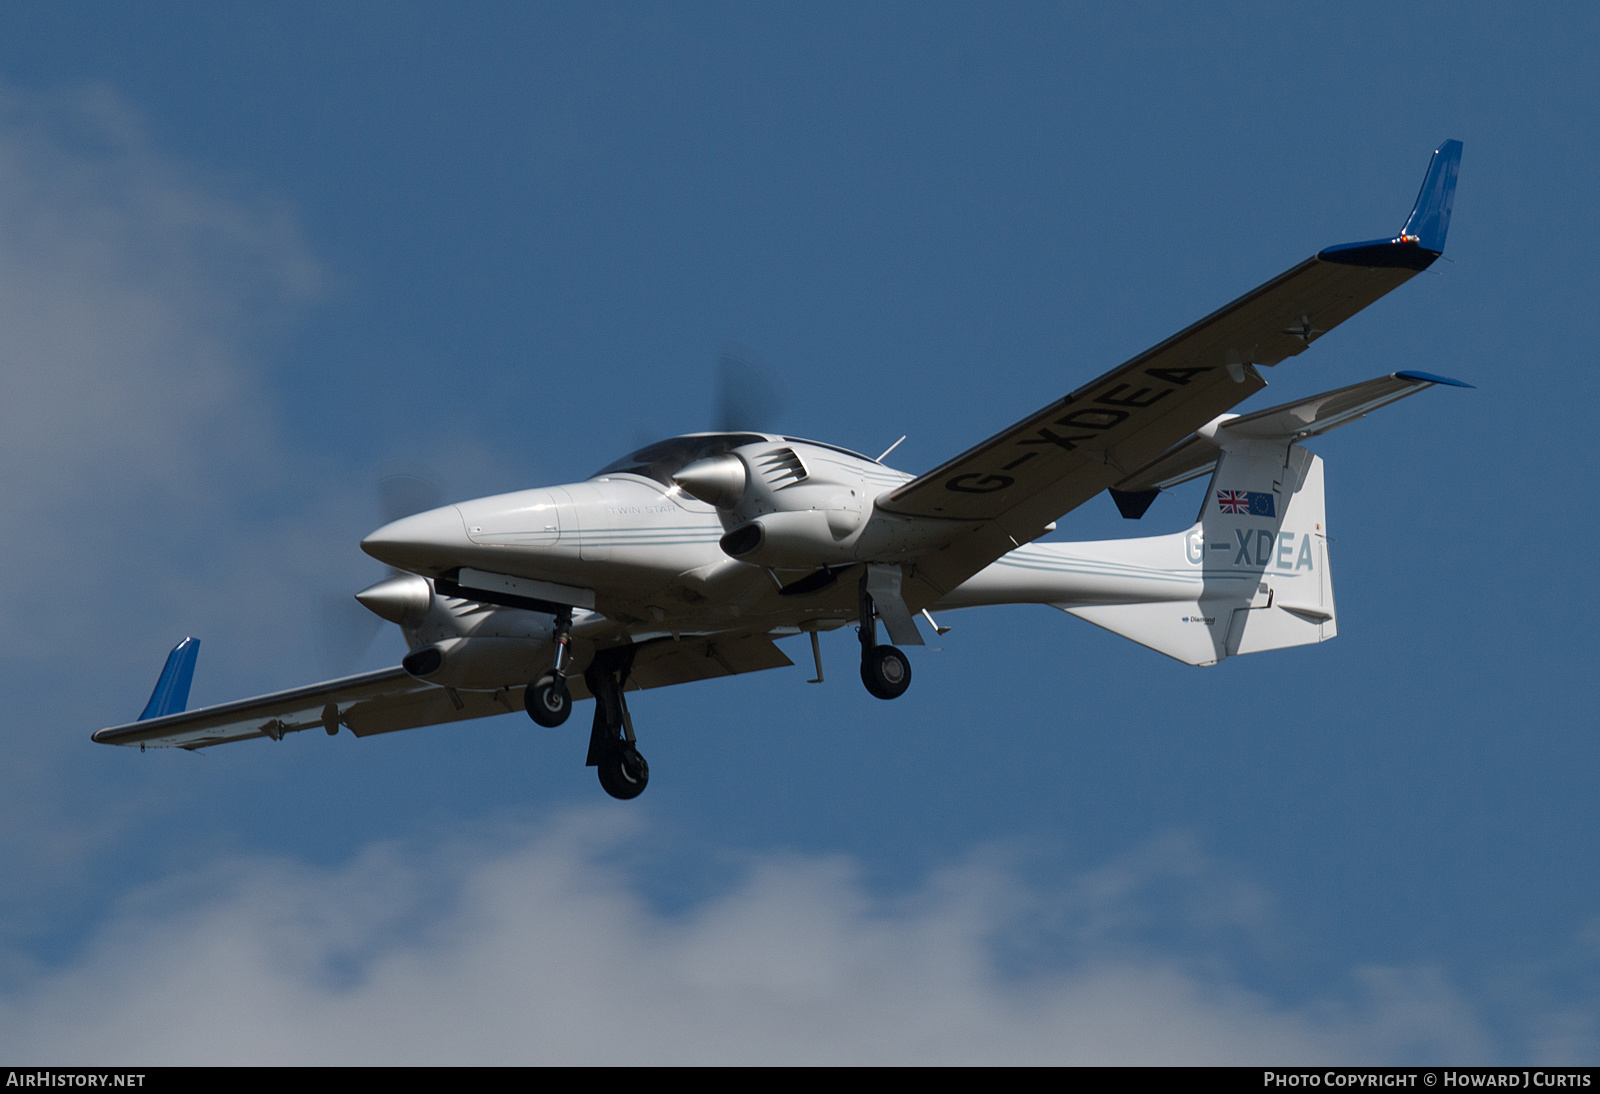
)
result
[(781, 467)]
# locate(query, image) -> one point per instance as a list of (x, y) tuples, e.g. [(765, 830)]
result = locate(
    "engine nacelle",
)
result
[(799, 540), (477, 664), (798, 506)]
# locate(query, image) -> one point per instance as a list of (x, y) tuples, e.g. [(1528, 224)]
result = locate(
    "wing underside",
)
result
[(391, 699)]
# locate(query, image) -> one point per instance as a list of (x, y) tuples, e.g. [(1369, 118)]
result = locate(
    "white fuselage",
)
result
[(651, 556)]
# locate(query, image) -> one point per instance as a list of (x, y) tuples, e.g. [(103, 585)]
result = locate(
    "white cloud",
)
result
[(537, 951), (138, 434), (130, 289)]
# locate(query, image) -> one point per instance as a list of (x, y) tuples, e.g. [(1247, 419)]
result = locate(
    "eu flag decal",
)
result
[(1255, 503)]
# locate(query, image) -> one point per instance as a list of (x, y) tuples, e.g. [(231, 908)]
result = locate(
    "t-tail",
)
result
[(1257, 560), (1251, 574)]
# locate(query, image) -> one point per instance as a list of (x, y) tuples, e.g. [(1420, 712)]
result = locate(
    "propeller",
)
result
[(349, 628), (750, 394), (347, 633)]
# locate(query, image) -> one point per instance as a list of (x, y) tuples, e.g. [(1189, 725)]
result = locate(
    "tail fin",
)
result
[(172, 689), (1252, 573), (1256, 562)]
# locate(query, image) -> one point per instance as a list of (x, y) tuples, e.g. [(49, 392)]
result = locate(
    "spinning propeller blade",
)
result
[(347, 632), (348, 628), (750, 395)]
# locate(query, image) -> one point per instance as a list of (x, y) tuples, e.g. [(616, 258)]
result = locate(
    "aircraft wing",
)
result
[(1014, 484), (374, 702), (392, 699)]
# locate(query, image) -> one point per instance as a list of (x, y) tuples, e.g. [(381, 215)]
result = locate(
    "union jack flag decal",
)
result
[(1254, 503)]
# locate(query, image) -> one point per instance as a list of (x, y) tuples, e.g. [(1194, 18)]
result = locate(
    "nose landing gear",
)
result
[(547, 699)]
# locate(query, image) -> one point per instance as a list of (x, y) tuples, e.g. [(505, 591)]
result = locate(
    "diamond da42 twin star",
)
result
[(686, 559)]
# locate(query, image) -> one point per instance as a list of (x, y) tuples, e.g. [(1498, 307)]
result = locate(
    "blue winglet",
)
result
[(172, 690), (1422, 239), (1430, 218), (1428, 377)]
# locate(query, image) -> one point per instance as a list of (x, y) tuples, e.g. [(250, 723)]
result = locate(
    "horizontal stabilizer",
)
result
[(1197, 455), (1332, 409)]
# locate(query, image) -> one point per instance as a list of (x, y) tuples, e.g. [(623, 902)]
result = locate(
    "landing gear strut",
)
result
[(884, 669), (547, 699), (612, 750)]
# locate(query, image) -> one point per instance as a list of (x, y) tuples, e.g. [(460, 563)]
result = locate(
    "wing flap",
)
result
[(433, 706), (660, 664)]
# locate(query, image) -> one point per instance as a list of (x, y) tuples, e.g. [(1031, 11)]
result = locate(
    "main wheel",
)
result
[(886, 672), (623, 772), (548, 701)]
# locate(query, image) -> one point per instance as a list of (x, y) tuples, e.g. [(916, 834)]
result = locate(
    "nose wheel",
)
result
[(548, 701)]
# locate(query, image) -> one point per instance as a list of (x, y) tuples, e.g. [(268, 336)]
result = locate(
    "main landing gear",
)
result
[(884, 669), (612, 747)]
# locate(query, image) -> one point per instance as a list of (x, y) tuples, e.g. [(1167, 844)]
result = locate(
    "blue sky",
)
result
[(253, 258)]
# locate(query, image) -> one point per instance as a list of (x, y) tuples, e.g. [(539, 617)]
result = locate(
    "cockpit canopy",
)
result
[(662, 460)]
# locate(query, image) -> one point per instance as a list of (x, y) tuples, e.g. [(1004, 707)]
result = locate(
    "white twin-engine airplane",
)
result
[(686, 559)]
